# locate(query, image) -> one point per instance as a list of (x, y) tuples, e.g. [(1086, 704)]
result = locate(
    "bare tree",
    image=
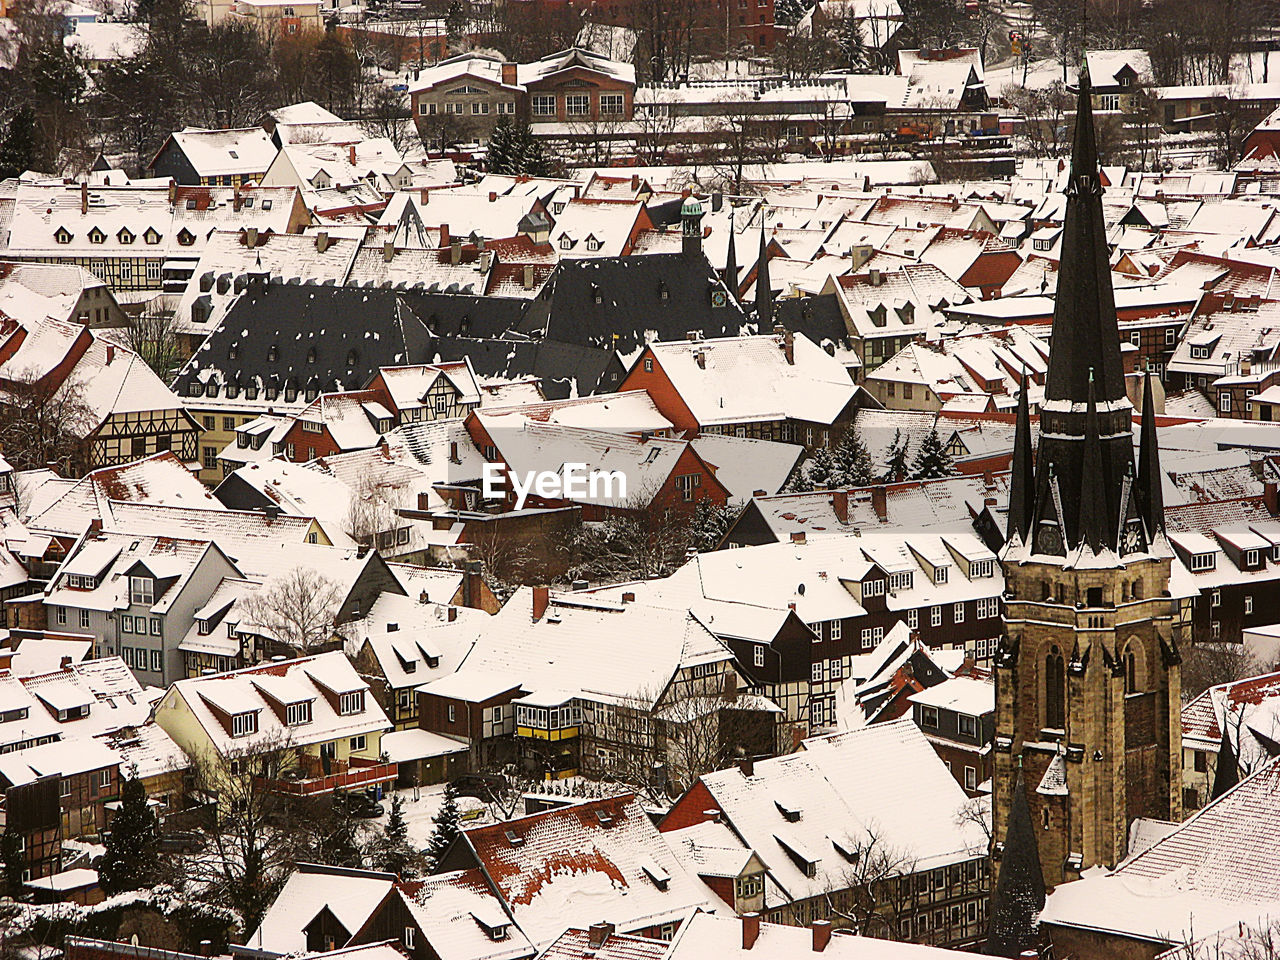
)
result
[(1143, 119), (1206, 665), (872, 891), (153, 336), (1044, 111), (44, 423), (370, 510), (297, 611)]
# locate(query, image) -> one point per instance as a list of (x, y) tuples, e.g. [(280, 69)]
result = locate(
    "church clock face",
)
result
[(1132, 541), (1049, 541)]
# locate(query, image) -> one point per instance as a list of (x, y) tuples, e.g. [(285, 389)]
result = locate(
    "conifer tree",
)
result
[(396, 854), (446, 829), (1019, 894), (500, 144), (131, 841), (852, 462), (932, 460), (897, 466)]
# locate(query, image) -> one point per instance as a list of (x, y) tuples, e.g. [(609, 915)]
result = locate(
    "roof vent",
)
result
[(605, 818), (514, 838)]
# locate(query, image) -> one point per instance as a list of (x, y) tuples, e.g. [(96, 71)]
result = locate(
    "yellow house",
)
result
[(317, 706)]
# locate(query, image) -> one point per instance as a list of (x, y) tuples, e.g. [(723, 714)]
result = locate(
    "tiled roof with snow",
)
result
[(461, 919), (351, 895)]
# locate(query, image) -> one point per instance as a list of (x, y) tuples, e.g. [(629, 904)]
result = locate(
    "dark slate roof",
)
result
[(818, 318), (631, 302), (561, 366), (353, 332), (453, 315)]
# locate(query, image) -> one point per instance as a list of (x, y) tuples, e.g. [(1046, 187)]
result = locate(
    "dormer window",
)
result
[(124, 236), (566, 243), (151, 236), (233, 351), (311, 355), (902, 580), (296, 714), (939, 574), (191, 203), (62, 235), (663, 292), (266, 204), (593, 244), (980, 569), (873, 588), (142, 590), (243, 724), (1203, 561), (879, 315), (186, 237), (97, 236), (353, 357), (349, 703), (273, 353)]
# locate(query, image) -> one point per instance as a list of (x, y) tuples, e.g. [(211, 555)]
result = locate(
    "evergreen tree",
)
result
[(787, 13), (500, 144), (397, 855), (1019, 893), (896, 463), (131, 841), (852, 462), (446, 829), (814, 473), (12, 861), (18, 149), (932, 460), (533, 160)]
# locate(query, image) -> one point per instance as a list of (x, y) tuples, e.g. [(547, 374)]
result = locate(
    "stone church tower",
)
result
[(1087, 675)]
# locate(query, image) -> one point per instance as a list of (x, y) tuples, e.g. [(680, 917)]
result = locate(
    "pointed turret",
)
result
[(731, 263), (1227, 773), (764, 292), (1084, 463), (1019, 891), (1150, 491), (1023, 480)]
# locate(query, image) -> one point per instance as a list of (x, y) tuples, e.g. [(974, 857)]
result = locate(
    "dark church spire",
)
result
[(1019, 892), (1022, 483), (1095, 514), (764, 292), (731, 263), (1150, 491), (1227, 772)]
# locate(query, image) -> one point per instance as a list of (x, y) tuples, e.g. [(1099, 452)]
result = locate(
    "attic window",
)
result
[(1203, 561), (234, 155), (663, 292), (353, 357), (656, 874), (566, 243), (297, 714), (879, 315), (273, 353), (605, 818), (96, 236), (514, 838), (593, 243), (124, 236), (233, 351), (151, 236), (311, 355), (266, 204), (243, 724), (191, 203), (62, 235), (186, 237), (248, 201), (596, 295), (790, 812)]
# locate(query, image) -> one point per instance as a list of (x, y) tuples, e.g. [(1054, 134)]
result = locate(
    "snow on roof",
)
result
[(750, 378), (145, 750), (106, 41), (576, 945), (37, 655), (745, 465), (236, 692), (35, 725), (414, 642), (62, 757), (403, 746), (350, 895), (546, 866), (218, 153), (962, 694), (460, 917), (306, 111), (408, 385), (599, 228), (840, 807)]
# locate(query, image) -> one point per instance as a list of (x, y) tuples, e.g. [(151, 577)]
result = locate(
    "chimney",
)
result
[(235, 201), (444, 234), (251, 237), (493, 196), (541, 597), (750, 930), (453, 452), (508, 74), (989, 501), (821, 935), (635, 181), (1246, 366), (712, 816), (455, 251), (873, 276), (453, 614), (598, 934), (424, 501), (797, 536), (423, 597), (747, 767), (66, 663), (111, 353), (1269, 497), (628, 597), (173, 191), (880, 502), (528, 276), (700, 358), (840, 503), (424, 196), (322, 241), (84, 197), (388, 250), (789, 348)]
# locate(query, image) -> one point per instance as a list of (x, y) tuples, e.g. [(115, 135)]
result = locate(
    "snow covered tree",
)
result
[(814, 473), (131, 841), (395, 853), (787, 13), (932, 460), (1019, 894), (896, 463), (852, 462), (709, 525), (500, 144), (446, 829)]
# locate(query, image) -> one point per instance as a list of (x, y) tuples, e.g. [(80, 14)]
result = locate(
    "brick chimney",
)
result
[(880, 502), (628, 597), (322, 241), (509, 74), (750, 930), (65, 664), (789, 347), (821, 935), (797, 536), (84, 197), (527, 280), (111, 353), (747, 767), (598, 934), (444, 234), (541, 598), (840, 503), (455, 251), (1270, 498), (388, 250), (424, 196), (351, 153), (493, 196), (453, 614)]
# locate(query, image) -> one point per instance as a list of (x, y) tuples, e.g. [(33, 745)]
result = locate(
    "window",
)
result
[(452, 714), (1215, 598), (1251, 558), (577, 104), (815, 672), (408, 937), (62, 615), (209, 458), (757, 654), (935, 616), (1224, 402), (350, 703), (940, 574), (1215, 629), (157, 626), (228, 423), (104, 779), (835, 630), (968, 725), (970, 778), (296, 714), (544, 105), (957, 612), (243, 724), (866, 638), (929, 717), (913, 619), (873, 588), (611, 104), (64, 787), (815, 713), (1055, 692), (358, 743), (84, 619), (1169, 336), (157, 661), (1109, 101), (1248, 605), (142, 590), (1203, 561)]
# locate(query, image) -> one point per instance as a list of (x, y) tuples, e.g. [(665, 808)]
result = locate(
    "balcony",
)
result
[(311, 780)]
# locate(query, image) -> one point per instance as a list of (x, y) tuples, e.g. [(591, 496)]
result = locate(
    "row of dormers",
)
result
[(124, 236)]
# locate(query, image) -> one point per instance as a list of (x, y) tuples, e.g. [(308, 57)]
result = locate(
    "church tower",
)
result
[(1087, 675)]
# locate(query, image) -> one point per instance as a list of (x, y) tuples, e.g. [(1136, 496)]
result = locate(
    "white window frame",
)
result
[(935, 616)]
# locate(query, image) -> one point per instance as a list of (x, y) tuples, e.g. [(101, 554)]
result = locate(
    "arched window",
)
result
[(1055, 690), (1130, 671)]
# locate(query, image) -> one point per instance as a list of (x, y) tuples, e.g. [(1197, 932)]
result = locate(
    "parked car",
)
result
[(359, 804)]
